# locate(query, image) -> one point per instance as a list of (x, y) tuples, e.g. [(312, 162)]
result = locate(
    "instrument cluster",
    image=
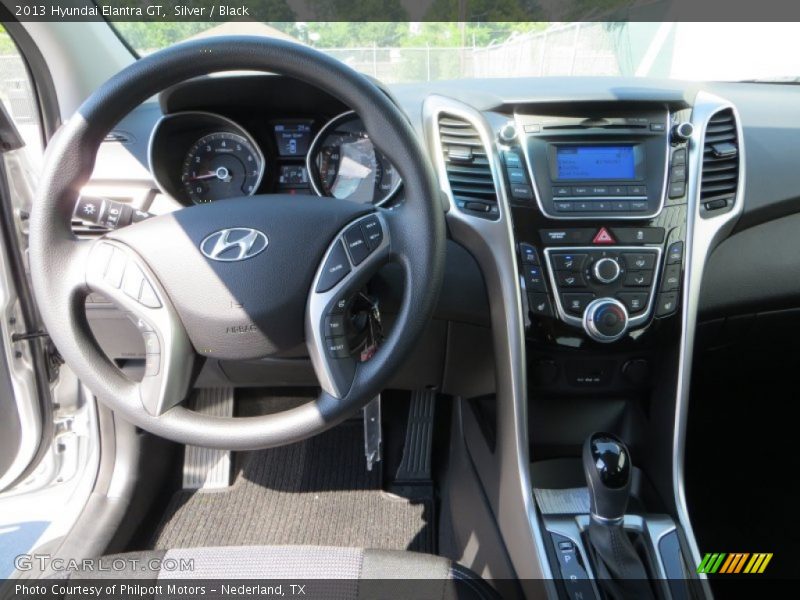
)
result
[(199, 157)]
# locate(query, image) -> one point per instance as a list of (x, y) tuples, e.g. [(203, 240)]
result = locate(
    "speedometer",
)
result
[(344, 163), (221, 165)]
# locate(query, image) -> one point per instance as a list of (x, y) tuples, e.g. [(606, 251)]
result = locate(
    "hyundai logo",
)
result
[(237, 243)]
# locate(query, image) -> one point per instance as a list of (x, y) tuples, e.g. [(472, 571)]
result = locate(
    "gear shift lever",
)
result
[(619, 570), (607, 466)]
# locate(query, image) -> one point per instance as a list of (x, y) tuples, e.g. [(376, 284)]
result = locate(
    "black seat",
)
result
[(326, 571)]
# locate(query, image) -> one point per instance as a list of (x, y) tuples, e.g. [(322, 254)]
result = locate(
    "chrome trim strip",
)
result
[(703, 235), (607, 215), (578, 321), (492, 244), (188, 113), (312, 149)]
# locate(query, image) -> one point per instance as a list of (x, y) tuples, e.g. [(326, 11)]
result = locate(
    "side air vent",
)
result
[(468, 168), (720, 177)]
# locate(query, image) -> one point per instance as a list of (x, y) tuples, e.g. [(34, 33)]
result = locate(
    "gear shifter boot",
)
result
[(618, 568)]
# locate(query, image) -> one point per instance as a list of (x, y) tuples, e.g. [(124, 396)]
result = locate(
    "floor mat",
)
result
[(316, 492)]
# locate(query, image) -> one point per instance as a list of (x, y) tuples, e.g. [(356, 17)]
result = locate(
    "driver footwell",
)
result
[(315, 492)]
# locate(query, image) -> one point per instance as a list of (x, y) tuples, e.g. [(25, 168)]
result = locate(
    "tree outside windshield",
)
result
[(426, 51)]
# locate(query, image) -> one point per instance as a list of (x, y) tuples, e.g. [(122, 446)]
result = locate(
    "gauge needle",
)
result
[(222, 173)]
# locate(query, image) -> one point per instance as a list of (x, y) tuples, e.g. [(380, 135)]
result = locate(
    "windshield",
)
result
[(406, 52)]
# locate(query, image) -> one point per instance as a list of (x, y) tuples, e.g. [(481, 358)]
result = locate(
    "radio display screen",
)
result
[(595, 163)]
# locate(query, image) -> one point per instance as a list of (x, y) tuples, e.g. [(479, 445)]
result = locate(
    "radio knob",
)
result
[(682, 131), (508, 132), (606, 270), (605, 320)]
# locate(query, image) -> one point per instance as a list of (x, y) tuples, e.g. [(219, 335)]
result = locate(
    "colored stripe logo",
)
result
[(737, 562)]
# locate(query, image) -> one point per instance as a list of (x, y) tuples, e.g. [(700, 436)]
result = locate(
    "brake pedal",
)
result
[(209, 468)]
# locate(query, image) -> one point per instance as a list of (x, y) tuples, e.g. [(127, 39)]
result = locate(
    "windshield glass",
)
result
[(406, 52)]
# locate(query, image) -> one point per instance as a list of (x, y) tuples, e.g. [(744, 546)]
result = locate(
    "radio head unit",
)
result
[(609, 166)]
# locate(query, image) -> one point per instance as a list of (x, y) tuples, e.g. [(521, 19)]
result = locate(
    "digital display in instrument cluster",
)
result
[(293, 138), (293, 176)]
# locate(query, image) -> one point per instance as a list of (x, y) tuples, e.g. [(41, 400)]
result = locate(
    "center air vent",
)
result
[(720, 162), (467, 165)]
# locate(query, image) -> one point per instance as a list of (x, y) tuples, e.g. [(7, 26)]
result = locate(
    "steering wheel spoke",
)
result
[(355, 254), (119, 274)]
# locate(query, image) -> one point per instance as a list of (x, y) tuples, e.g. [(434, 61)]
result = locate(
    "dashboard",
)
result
[(199, 154)]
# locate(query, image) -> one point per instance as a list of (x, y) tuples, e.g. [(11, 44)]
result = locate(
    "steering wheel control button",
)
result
[(132, 281), (152, 365), (334, 325), (334, 269), (148, 296), (116, 268), (337, 347), (606, 270), (151, 344), (639, 261), (139, 323), (576, 303), (373, 232), (356, 244), (634, 301), (605, 320), (539, 304)]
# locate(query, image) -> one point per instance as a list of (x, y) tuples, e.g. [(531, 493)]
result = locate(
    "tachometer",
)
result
[(221, 165), (343, 163)]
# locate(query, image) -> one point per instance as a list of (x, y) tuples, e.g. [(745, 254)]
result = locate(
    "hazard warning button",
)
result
[(603, 237)]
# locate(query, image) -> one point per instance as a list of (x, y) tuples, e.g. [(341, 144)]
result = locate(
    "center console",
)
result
[(591, 220)]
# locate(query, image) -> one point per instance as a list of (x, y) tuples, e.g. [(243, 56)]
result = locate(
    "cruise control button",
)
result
[(666, 304), (151, 345), (334, 325), (373, 232), (528, 254), (576, 303), (116, 268), (152, 364), (337, 347), (568, 262), (633, 301), (639, 278), (539, 304), (356, 244), (148, 296), (335, 269), (638, 261), (672, 278), (132, 281), (675, 253)]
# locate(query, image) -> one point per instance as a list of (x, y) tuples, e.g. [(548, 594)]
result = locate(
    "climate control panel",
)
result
[(615, 281)]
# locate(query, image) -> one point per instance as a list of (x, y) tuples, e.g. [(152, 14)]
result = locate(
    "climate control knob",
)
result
[(606, 270), (605, 320)]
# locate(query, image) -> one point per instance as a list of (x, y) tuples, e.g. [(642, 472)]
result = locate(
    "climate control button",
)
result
[(605, 320), (606, 270)]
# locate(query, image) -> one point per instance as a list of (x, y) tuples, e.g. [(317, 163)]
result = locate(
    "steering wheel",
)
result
[(239, 279)]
